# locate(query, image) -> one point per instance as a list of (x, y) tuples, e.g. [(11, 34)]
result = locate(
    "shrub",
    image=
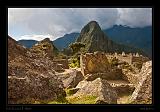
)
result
[(76, 47), (71, 91), (75, 62), (61, 56), (113, 61)]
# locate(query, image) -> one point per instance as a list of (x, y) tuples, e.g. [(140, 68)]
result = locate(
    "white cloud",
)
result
[(35, 37), (59, 21)]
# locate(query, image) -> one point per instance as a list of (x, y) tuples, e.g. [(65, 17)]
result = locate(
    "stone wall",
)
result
[(63, 62), (140, 59), (96, 62), (129, 58)]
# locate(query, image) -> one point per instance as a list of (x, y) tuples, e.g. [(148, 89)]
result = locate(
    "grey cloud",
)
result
[(135, 17), (60, 21)]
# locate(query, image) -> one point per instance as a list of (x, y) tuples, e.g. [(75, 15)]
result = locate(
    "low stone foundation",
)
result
[(64, 63)]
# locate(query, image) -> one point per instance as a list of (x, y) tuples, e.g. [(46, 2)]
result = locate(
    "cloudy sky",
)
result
[(39, 23)]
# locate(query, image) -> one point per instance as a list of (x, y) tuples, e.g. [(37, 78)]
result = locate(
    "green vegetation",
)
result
[(138, 65), (113, 61), (75, 62), (76, 47), (60, 100), (70, 99), (89, 99), (67, 51), (128, 67), (61, 56), (71, 91)]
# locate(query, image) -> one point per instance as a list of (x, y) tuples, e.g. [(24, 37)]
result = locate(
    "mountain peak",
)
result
[(96, 40), (93, 25), (46, 40), (93, 36), (93, 22)]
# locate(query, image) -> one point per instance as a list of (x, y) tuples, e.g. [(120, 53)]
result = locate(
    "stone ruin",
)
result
[(30, 77), (123, 54), (129, 58), (96, 65), (33, 78), (137, 54), (62, 62)]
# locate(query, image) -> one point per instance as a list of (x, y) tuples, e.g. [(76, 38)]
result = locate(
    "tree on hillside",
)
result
[(76, 47)]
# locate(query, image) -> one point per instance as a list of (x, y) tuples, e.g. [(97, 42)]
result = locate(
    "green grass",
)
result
[(58, 102), (89, 99), (70, 91)]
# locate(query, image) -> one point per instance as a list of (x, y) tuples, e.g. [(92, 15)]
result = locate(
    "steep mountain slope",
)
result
[(96, 40)]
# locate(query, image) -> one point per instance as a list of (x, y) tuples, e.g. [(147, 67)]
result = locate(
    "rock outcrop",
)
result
[(143, 91), (15, 49), (44, 48), (34, 87), (100, 88), (30, 77), (71, 78)]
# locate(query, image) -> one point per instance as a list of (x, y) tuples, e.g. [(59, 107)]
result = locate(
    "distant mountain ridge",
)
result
[(96, 40), (64, 41), (136, 37), (28, 43)]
